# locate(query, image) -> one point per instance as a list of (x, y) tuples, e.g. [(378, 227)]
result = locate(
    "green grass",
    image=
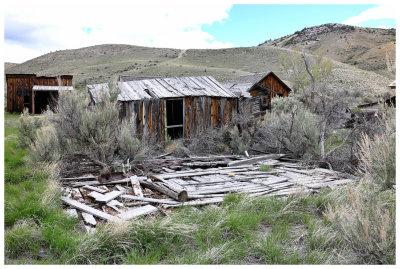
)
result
[(265, 168)]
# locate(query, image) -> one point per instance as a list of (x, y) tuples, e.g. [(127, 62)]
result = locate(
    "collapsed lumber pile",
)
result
[(196, 181)]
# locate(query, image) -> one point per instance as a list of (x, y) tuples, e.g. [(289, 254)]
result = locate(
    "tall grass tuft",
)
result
[(365, 214)]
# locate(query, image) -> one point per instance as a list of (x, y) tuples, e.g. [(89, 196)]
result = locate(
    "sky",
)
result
[(33, 28)]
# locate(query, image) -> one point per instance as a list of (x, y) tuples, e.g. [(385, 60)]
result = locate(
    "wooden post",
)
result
[(33, 102)]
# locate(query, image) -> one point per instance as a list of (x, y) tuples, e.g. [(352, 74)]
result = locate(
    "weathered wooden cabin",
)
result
[(34, 92), (255, 91), (175, 107)]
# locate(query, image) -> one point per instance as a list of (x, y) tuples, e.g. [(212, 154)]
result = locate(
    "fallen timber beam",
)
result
[(87, 209), (255, 159), (175, 193)]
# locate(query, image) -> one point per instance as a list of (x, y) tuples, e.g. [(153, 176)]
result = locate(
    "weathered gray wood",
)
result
[(89, 219), (72, 212), (114, 203), (150, 200), (74, 179), (199, 202), (86, 208), (137, 190), (168, 170), (177, 194), (109, 196), (120, 188), (92, 188), (255, 159), (95, 195), (104, 198), (136, 212)]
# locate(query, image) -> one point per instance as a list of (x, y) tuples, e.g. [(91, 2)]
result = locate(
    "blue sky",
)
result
[(33, 28), (249, 25)]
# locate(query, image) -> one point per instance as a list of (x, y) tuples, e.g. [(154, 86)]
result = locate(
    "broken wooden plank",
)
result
[(136, 212), (89, 219), (72, 212), (255, 159), (86, 208), (95, 195), (114, 203), (105, 198), (137, 190), (198, 202), (150, 200), (92, 188), (67, 179), (120, 188), (168, 170)]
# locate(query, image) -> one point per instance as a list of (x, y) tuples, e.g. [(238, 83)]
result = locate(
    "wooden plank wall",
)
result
[(15, 85), (25, 82), (200, 113), (274, 84)]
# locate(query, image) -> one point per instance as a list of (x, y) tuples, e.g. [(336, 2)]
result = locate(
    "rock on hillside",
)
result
[(366, 48)]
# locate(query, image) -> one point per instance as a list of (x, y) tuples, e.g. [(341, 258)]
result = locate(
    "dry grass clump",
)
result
[(365, 214)]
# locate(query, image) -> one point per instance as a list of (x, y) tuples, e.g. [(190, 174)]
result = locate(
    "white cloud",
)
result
[(384, 11), (36, 27)]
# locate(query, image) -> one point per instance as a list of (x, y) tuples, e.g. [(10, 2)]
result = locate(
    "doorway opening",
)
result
[(44, 99), (174, 118)]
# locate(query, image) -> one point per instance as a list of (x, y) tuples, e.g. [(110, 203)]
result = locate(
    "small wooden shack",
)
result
[(34, 92), (175, 107), (256, 91)]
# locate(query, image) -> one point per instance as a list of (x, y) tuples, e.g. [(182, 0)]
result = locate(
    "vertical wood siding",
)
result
[(199, 113)]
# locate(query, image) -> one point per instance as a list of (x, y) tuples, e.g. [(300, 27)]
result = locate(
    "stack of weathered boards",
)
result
[(191, 181)]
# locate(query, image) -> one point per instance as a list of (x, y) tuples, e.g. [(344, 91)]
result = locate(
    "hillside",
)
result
[(8, 65), (104, 62), (366, 48)]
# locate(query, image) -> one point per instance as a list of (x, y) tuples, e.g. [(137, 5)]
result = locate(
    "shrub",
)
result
[(93, 131), (211, 140), (27, 128), (291, 128), (378, 155), (46, 147), (239, 142), (365, 214)]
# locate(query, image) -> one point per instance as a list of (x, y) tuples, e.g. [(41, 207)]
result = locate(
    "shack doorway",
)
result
[(174, 118), (44, 99)]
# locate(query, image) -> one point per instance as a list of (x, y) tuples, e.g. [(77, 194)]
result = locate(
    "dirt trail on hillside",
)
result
[(181, 53)]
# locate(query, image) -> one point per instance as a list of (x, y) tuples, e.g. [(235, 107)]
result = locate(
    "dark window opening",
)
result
[(174, 118), (44, 99)]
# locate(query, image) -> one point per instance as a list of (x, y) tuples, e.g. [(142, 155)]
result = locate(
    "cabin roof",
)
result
[(124, 78), (159, 88), (244, 83), (52, 88), (393, 84), (252, 78)]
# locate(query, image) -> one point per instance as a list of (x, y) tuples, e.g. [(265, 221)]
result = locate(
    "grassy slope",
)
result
[(240, 231), (365, 48), (104, 62)]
